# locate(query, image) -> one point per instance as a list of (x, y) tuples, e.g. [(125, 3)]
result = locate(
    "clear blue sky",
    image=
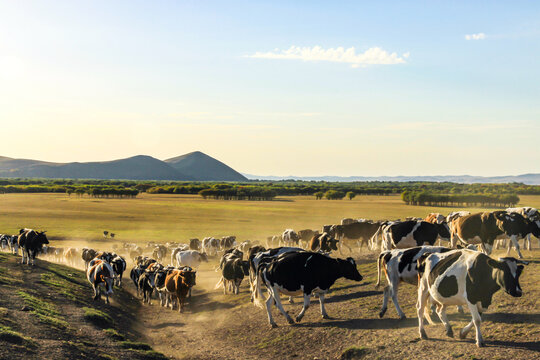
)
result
[(428, 88)]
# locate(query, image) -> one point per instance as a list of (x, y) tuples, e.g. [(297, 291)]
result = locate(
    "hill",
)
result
[(190, 167), (203, 167), (46, 312)]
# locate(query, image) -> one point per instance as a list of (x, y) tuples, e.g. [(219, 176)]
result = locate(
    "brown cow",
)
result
[(71, 254), (307, 234), (323, 242), (178, 283), (435, 218), (88, 255)]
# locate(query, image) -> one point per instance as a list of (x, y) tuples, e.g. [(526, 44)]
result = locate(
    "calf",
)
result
[(399, 266), (300, 273), (464, 277), (178, 284), (100, 274)]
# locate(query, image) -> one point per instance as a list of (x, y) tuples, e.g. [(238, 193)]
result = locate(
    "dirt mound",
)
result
[(47, 312)]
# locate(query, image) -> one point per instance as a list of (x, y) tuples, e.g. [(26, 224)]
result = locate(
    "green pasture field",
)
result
[(161, 217)]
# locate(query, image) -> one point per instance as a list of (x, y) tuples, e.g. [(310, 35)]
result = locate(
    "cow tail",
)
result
[(373, 239), (257, 292)]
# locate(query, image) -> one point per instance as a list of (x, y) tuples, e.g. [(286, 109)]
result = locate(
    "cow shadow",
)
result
[(363, 323), (352, 295), (526, 345), (202, 302), (512, 318), (164, 325)]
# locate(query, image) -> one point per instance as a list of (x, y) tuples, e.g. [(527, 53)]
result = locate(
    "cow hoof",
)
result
[(480, 344), (381, 314), (273, 325), (325, 316), (290, 320), (298, 319), (450, 333), (462, 334), (402, 317), (423, 335)]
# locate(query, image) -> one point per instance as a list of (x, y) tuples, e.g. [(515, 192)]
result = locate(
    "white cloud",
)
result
[(372, 56), (479, 36)]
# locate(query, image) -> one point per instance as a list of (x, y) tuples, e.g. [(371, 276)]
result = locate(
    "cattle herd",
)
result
[(459, 271)]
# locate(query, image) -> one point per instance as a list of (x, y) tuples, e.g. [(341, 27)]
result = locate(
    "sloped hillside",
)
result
[(205, 168), (47, 312)]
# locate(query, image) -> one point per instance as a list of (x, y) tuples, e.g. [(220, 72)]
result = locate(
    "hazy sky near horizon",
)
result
[(276, 87)]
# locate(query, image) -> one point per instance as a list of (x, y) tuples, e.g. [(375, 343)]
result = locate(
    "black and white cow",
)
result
[(31, 242), (400, 265), (300, 273), (232, 273), (119, 265), (464, 277), (406, 234), (531, 214), (146, 285), (210, 246)]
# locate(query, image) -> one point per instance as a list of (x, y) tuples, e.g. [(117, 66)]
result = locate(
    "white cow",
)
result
[(191, 258)]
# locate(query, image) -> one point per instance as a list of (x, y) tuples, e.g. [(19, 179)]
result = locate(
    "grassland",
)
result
[(180, 217)]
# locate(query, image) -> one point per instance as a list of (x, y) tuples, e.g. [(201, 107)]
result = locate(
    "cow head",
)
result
[(203, 257), (507, 272), (189, 277), (349, 270), (328, 243), (444, 230), (41, 238)]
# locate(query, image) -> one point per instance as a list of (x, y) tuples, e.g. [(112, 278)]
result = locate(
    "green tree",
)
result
[(350, 195)]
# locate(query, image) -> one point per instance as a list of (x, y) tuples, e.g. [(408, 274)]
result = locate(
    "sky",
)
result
[(305, 88)]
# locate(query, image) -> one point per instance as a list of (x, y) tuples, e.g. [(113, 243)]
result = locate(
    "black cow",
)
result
[(31, 242), (300, 273), (464, 277), (146, 285)]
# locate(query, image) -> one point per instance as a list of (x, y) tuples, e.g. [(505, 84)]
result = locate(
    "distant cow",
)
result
[(71, 254), (228, 242), (464, 277), (484, 228), (290, 238), (307, 234), (411, 233), (273, 241), (347, 221), (194, 244), (359, 231), (435, 218), (323, 242), (300, 273), (88, 255), (210, 246), (191, 258), (178, 283), (159, 252), (100, 274), (31, 242)]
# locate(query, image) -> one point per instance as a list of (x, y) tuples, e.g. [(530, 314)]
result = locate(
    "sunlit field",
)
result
[(180, 217)]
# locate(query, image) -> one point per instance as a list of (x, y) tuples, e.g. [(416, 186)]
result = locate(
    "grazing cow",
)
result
[(411, 233), (400, 265), (532, 215), (306, 235), (31, 242), (233, 271), (464, 277), (359, 231), (178, 283), (194, 244), (119, 266), (191, 258), (484, 228), (87, 256), (100, 274), (300, 273), (210, 246), (290, 238), (323, 243)]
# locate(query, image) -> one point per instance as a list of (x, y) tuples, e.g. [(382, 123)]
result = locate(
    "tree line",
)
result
[(424, 198)]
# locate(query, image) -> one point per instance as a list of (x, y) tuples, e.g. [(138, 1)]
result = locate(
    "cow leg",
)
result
[(393, 290), (269, 301), (291, 300), (527, 244), (275, 294), (477, 320), (150, 296), (441, 311), (513, 240), (423, 295), (307, 299), (323, 310)]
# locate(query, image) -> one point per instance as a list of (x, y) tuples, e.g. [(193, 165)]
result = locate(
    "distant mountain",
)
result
[(193, 166), (529, 179), (203, 167)]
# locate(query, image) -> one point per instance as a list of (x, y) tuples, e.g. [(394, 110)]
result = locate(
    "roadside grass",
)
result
[(45, 311), (15, 337), (97, 317), (113, 334)]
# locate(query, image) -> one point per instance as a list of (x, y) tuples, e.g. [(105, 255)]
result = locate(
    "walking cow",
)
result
[(31, 242)]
